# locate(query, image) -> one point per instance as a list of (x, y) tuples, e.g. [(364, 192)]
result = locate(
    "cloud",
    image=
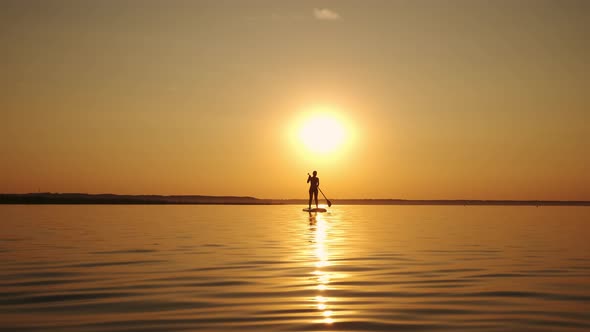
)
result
[(325, 14)]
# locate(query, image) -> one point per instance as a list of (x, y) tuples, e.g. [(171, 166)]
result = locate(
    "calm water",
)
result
[(275, 268)]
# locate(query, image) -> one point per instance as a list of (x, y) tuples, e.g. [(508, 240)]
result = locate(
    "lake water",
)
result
[(276, 268)]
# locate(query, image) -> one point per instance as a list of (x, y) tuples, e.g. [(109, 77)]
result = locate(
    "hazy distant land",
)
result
[(79, 198)]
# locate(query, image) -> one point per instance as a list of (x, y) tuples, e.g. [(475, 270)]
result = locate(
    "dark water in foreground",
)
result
[(356, 268)]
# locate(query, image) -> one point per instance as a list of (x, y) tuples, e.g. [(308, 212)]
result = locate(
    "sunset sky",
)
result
[(409, 99)]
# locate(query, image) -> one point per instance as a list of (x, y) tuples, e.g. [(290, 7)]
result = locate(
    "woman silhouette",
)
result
[(314, 183)]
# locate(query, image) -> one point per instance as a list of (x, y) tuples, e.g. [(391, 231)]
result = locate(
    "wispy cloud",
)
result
[(326, 14)]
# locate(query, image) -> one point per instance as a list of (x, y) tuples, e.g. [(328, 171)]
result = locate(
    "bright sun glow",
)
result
[(322, 133)]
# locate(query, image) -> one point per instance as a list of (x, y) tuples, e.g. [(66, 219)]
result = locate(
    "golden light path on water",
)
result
[(322, 276)]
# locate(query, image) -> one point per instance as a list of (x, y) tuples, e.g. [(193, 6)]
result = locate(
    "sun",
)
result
[(322, 133)]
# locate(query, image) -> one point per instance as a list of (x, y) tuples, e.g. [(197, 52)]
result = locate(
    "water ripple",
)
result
[(358, 268)]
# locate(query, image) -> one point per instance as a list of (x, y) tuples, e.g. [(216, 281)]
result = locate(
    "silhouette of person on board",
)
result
[(314, 183)]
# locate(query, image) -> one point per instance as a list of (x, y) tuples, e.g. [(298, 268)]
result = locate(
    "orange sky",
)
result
[(439, 99)]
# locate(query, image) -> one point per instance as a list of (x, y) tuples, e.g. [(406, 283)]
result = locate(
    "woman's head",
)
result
[(315, 173)]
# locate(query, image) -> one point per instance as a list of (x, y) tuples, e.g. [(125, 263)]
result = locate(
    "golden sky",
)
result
[(432, 99)]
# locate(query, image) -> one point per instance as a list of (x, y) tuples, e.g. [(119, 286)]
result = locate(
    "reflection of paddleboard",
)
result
[(315, 210)]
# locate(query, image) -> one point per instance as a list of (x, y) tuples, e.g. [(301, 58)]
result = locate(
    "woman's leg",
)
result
[(315, 193), (310, 195)]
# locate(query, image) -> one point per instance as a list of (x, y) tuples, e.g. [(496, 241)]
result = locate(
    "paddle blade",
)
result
[(329, 203)]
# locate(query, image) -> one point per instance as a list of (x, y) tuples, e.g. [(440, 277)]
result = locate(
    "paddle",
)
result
[(327, 200)]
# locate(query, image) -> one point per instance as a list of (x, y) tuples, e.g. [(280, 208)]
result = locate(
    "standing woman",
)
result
[(314, 183)]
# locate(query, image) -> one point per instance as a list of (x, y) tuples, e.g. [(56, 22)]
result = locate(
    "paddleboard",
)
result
[(315, 210)]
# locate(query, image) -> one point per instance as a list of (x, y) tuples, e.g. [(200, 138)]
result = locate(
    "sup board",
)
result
[(315, 210)]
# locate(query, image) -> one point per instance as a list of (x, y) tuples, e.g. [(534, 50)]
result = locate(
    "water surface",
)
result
[(275, 268)]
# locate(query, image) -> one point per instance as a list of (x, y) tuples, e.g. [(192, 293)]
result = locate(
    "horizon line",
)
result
[(298, 199)]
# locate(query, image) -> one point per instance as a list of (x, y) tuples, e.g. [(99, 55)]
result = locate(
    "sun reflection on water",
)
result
[(321, 276)]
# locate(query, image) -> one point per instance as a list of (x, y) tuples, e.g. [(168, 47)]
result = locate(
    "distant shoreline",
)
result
[(79, 198)]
